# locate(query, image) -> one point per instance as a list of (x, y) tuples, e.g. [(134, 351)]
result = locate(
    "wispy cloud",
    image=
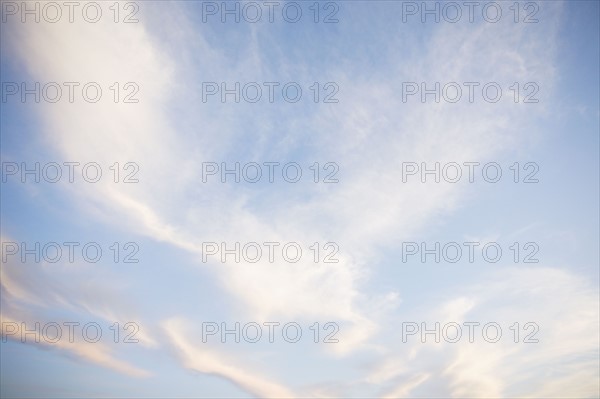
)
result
[(369, 133)]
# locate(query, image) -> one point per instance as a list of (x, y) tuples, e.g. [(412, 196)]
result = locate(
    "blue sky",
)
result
[(370, 133)]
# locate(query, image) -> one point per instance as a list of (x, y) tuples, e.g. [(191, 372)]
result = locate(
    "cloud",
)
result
[(563, 306), (205, 361), (369, 133), (97, 353), (45, 290)]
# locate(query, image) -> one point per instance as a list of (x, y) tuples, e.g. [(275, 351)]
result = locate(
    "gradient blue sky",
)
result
[(369, 213)]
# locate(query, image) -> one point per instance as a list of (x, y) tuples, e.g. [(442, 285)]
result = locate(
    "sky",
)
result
[(374, 199)]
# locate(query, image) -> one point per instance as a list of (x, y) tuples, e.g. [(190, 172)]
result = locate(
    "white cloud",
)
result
[(369, 134), (93, 352), (564, 306), (205, 361)]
